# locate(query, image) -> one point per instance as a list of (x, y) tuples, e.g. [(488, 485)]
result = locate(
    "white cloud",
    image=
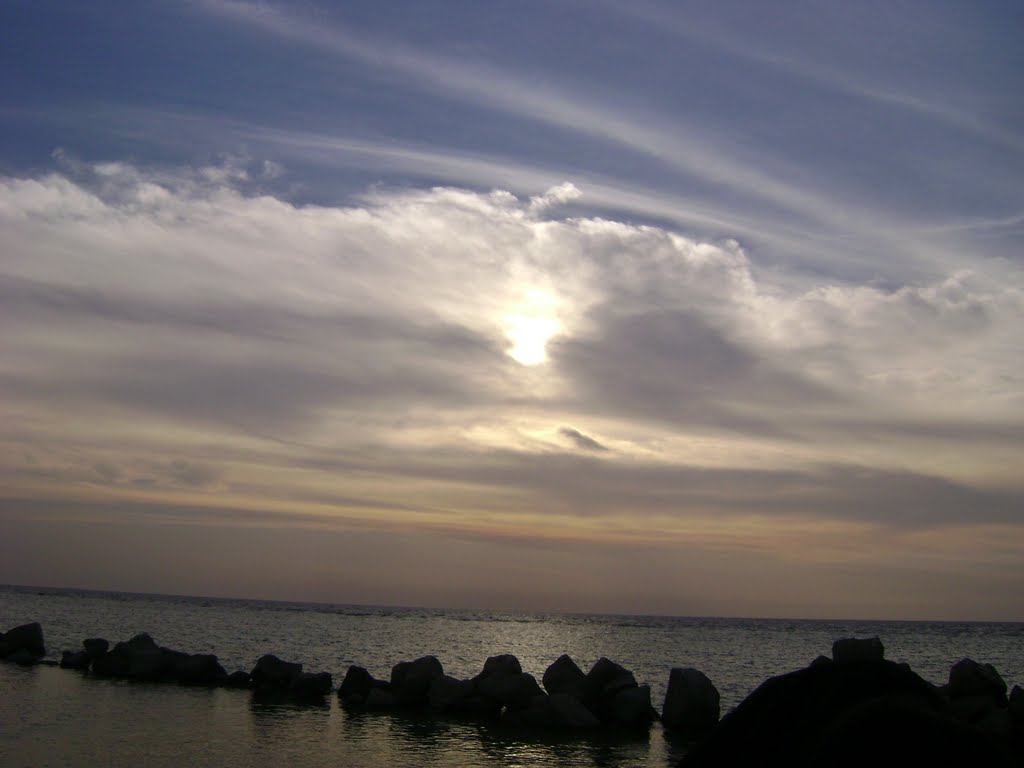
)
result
[(175, 298)]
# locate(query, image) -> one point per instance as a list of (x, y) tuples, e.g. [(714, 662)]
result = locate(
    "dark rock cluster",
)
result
[(855, 708), (608, 695), (858, 709)]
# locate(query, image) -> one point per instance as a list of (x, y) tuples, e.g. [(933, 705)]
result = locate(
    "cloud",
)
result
[(191, 335), (581, 440)]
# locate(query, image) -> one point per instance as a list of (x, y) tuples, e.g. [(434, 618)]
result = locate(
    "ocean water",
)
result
[(55, 717)]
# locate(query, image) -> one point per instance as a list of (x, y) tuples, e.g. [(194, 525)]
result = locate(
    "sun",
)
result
[(530, 328)]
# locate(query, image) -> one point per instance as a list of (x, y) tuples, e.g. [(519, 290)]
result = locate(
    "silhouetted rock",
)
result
[(95, 646), (857, 649), (564, 676), (846, 714), (149, 664), (199, 669), (23, 657), (504, 664), (355, 687), (310, 685), (631, 707), (114, 663), (27, 638), (1016, 705), (968, 678), (141, 642), (272, 673), (75, 660), (380, 696), (410, 680), (558, 711), (237, 679), (604, 680), (510, 690), (692, 704)]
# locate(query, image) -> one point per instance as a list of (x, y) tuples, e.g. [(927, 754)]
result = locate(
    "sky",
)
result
[(690, 308)]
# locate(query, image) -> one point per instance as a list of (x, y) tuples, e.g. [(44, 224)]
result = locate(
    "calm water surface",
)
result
[(51, 717)]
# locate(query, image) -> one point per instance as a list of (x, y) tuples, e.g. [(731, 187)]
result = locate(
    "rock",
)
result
[(1016, 705), (857, 649), (410, 680), (821, 660), (570, 713), (310, 685), (95, 646), (115, 663), (557, 712), (27, 637), (968, 678), (75, 660), (845, 715), (355, 687), (604, 680), (23, 657), (200, 669), (141, 642), (380, 698), (511, 691), (692, 704), (564, 676), (238, 679), (505, 664), (632, 707), (149, 664), (272, 673), (449, 694)]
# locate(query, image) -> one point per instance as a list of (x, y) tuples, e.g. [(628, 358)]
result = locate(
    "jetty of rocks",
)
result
[(853, 708)]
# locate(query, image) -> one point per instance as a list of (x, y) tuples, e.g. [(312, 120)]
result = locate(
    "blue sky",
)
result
[(536, 287)]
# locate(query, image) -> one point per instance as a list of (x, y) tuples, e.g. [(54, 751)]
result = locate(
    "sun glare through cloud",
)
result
[(531, 328)]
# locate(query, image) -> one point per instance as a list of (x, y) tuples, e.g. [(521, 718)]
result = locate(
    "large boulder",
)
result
[(271, 673), (309, 686), (564, 676), (854, 649), (115, 663), (199, 669), (631, 707), (510, 690), (692, 704), (968, 678), (95, 646), (410, 680), (150, 664), (601, 685), (237, 679), (846, 715), (557, 712), (26, 637), (75, 660), (24, 657), (355, 686)]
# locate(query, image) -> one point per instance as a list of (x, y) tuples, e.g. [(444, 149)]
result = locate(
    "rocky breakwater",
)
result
[(608, 695), (140, 658), (857, 709)]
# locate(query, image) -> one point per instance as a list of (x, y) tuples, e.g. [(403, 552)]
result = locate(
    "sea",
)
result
[(56, 717)]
